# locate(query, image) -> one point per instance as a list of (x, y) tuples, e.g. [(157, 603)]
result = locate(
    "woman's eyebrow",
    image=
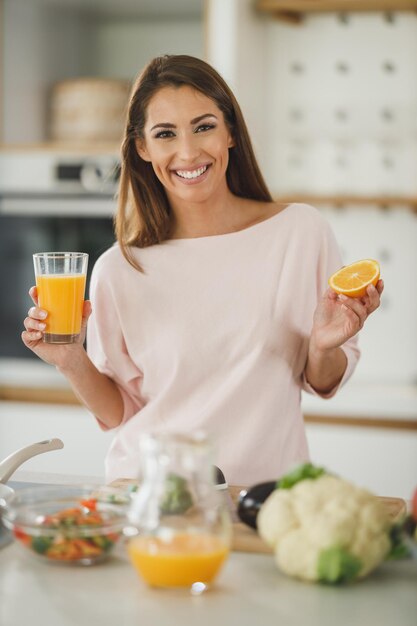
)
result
[(201, 117), (195, 120)]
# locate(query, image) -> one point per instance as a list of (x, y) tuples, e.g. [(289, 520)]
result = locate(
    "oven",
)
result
[(48, 202)]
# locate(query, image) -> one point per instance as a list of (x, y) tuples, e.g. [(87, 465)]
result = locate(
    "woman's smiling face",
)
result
[(187, 141)]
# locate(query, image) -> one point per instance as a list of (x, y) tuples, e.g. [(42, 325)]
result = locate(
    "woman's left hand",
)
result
[(338, 318)]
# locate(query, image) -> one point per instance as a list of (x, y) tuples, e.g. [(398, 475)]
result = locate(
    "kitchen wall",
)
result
[(39, 46), (115, 39)]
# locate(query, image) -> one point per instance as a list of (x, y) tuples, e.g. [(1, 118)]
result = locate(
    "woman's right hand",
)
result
[(54, 354)]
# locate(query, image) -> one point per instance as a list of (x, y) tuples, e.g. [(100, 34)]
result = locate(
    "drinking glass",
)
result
[(60, 280)]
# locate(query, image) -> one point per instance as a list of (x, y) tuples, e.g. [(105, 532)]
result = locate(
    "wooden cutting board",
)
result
[(246, 539)]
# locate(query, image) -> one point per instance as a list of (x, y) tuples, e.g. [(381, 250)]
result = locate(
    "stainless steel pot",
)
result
[(15, 460)]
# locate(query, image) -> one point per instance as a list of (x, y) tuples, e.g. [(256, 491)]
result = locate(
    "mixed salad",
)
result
[(76, 533)]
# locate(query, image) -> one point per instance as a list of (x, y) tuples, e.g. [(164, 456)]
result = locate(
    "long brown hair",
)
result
[(144, 215)]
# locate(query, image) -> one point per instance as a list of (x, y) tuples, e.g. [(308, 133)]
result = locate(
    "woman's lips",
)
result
[(192, 176)]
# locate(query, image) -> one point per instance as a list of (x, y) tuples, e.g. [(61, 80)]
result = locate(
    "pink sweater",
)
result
[(214, 336)]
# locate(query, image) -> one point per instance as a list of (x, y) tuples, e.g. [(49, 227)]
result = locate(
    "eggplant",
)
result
[(250, 501)]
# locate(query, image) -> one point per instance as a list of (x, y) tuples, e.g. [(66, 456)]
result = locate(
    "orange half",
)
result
[(352, 280)]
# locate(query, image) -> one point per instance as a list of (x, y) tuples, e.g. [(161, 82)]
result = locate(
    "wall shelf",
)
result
[(294, 10), (339, 200), (63, 147)]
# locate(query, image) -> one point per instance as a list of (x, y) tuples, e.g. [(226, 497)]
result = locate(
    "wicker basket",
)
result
[(88, 109)]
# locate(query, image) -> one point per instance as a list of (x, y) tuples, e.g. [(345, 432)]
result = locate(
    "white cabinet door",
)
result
[(85, 445), (382, 460)]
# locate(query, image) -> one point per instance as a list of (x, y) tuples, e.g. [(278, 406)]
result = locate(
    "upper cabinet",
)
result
[(295, 10), (331, 102), (45, 42)]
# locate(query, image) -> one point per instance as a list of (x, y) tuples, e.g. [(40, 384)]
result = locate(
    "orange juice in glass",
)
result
[(60, 281), (183, 560)]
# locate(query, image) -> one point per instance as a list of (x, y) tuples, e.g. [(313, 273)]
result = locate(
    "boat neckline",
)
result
[(234, 232)]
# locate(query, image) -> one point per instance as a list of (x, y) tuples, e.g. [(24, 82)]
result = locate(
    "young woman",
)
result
[(211, 312)]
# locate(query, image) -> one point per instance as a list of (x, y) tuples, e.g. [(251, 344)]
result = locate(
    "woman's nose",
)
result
[(188, 147)]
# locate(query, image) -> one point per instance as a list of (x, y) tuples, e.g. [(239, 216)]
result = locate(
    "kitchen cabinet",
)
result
[(85, 445), (45, 41), (367, 433), (294, 10), (337, 95), (383, 460)]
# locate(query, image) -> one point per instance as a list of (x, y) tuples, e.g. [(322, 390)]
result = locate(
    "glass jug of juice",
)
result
[(180, 523)]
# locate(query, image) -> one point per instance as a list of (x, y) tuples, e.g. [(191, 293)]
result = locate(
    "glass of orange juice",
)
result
[(60, 280), (180, 530)]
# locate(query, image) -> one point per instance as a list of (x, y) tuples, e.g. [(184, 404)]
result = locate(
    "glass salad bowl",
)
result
[(69, 524)]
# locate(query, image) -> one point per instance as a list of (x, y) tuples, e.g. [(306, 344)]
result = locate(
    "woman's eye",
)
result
[(163, 134), (204, 127)]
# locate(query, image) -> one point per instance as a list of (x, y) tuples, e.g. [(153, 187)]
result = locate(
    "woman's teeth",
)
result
[(193, 173)]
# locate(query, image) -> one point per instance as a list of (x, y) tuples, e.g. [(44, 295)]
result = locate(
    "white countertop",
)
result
[(249, 591), (30, 373)]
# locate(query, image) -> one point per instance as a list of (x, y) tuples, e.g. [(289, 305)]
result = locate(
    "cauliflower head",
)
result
[(325, 529)]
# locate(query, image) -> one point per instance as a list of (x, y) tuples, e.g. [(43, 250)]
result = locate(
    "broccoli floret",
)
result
[(177, 498), (41, 544)]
